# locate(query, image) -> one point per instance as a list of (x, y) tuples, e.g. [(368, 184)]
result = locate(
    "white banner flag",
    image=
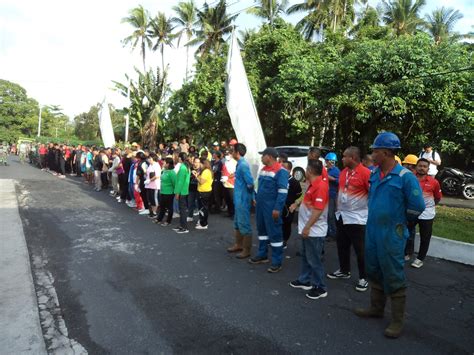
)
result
[(105, 125), (241, 107)]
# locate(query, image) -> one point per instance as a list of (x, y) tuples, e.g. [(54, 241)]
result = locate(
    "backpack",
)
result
[(433, 154)]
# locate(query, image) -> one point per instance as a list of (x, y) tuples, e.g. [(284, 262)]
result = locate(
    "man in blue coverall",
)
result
[(243, 197), (271, 197), (395, 197)]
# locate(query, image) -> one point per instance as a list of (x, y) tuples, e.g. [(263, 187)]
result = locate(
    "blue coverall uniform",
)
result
[(392, 201), (271, 196), (243, 196)]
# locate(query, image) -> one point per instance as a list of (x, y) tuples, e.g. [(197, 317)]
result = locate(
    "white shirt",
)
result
[(433, 168)]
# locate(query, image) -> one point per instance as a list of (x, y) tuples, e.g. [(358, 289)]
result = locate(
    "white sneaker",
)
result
[(417, 263), (176, 215), (362, 285), (190, 219), (201, 227)]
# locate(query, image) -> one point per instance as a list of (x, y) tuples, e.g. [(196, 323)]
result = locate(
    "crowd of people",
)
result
[(373, 204)]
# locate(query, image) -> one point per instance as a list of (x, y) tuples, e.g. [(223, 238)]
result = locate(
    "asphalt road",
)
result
[(128, 286)]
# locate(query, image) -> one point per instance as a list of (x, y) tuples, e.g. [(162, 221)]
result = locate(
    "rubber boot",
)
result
[(238, 243), (377, 303), (398, 314), (247, 247)]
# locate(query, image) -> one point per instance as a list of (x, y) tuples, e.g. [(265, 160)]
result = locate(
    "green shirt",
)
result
[(182, 181), (168, 182)]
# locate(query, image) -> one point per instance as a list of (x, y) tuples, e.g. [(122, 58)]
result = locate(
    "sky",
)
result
[(67, 53)]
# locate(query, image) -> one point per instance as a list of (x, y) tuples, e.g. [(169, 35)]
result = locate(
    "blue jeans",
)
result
[(312, 269), (192, 202), (332, 217), (183, 211)]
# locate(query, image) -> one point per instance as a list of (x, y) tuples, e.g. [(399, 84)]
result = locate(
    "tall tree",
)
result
[(186, 16), (440, 23), (213, 24), (161, 29), (403, 15), (268, 9), (139, 19)]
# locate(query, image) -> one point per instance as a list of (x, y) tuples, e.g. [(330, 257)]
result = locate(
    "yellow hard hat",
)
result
[(397, 158), (410, 159)]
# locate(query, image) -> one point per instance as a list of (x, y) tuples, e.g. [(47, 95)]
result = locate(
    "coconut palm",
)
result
[(213, 24), (161, 29), (186, 20), (440, 23), (324, 14), (268, 9), (402, 15), (139, 19)]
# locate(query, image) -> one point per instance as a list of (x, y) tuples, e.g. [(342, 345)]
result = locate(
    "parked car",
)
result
[(298, 155)]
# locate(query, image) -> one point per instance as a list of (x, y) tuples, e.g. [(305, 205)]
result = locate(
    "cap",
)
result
[(270, 151), (215, 143), (134, 144)]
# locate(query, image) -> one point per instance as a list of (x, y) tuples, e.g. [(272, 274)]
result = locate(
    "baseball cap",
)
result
[(270, 151), (215, 143)]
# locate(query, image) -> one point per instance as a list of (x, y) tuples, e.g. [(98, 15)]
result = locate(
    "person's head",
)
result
[(351, 157), (239, 151), (282, 157), (182, 157), (204, 154), (288, 165), (205, 164), (228, 155), (169, 163), (215, 146), (331, 159), (161, 146), (385, 148), (422, 167), (183, 140), (197, 163), (152, 157), (217, 155), (427, 147), (192, 149), (367, 161), (174, 145), (223, 144), (269, 156), (314, 153), (141, 156), (79, 146), (95, 151), (314, 169), (410, 162)]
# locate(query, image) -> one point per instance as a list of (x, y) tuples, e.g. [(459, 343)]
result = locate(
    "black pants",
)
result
[(347, 235), (426, 229), (287, 218), (229, 200), (166, 205), (43, 164), (105, 180), (78, 168), (204, 198), (144, 195), (183, 211), (216, 200), (153, 197), (123, 186), (62, 167)]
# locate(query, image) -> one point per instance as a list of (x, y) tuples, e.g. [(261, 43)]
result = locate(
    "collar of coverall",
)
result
[(274, 168)]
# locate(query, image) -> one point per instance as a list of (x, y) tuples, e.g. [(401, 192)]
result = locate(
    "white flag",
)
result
[(241, 107), (105, 124)]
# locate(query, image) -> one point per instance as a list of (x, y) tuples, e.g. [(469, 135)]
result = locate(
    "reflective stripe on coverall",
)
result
[(243, 196)]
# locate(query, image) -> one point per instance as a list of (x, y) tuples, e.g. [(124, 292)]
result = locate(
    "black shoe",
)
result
[(316, 293), (274, 269), (303, 286), (339, 275), (177, 228), (258, 260), (152, 215), (182, 231)]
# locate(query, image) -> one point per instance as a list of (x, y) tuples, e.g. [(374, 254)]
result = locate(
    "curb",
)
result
[(19, 318), (451, 250)]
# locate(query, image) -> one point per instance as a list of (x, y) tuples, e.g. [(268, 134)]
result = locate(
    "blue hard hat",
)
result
[(386, 140), (331, 156)]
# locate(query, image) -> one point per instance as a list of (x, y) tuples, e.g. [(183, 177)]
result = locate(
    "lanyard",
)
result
[(348, 179)]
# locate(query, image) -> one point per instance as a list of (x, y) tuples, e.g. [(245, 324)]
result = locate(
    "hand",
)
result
[(176, 196), (292, 207), (305, 232), (275, 214), (254, 203)]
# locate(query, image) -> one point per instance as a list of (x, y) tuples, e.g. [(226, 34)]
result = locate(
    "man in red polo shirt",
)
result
[(42, 151), (313, 227), (351, 216), (432, 195)]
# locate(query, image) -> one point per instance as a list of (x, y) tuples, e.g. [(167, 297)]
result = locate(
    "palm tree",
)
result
[(186, 19), (162, 28), (214, 23), (402, 15), (324, 14), (440, 23), (139, 19), (268, 9)]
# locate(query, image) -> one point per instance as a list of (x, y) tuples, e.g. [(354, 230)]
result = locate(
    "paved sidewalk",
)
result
[(19, 319)]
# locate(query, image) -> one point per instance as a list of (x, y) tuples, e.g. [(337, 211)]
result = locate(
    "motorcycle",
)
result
[(456, 182)]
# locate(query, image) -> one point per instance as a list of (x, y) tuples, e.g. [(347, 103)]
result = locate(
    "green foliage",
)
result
[(18, 112)]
